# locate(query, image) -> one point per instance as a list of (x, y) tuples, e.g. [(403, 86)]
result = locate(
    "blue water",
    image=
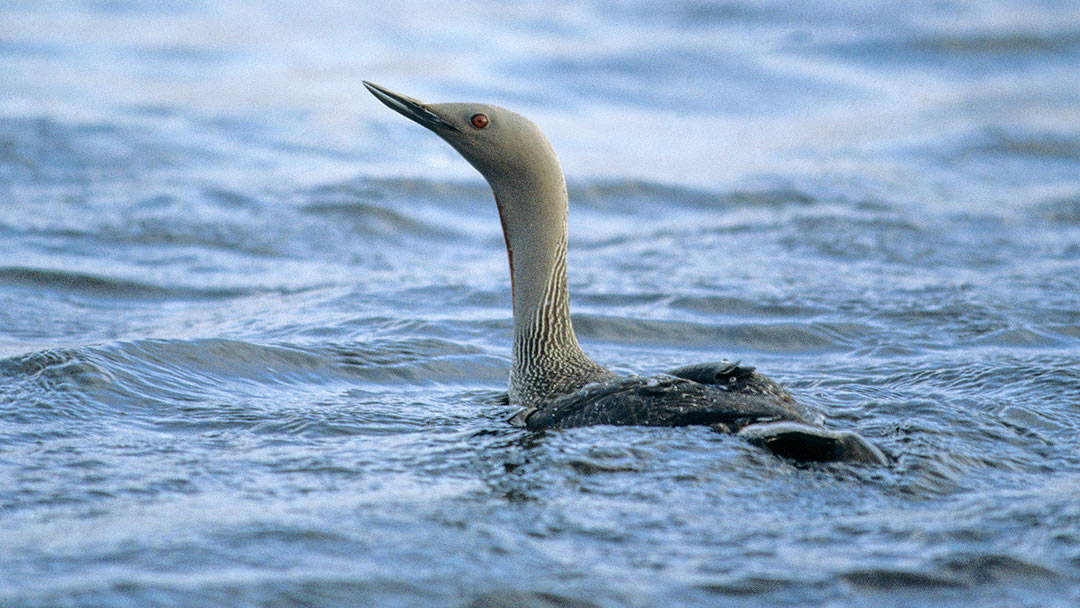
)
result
[(255, 327)]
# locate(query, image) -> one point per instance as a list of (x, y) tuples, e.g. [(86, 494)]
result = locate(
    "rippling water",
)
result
[(255, 328)]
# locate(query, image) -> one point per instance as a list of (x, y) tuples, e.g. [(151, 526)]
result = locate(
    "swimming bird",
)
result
[(551, 378)]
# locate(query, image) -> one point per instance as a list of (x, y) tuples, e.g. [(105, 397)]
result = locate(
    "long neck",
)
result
[(547, 358), (541, 298)]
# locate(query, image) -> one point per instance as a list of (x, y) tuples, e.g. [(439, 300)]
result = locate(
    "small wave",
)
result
[(976, 49), (743, 307), (881, 579), (1008, 44), (641, 197), (191, 383), (851, 237), (1046, 145), (979, 569), (401, 208), (1025, 337), (50, 150), (1065, 210), (105, 287), (375, 220), (368, 187), (527, 599), (956, 572), (444, 194), (737, 337)]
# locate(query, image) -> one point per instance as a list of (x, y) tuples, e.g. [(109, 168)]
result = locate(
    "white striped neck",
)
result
[(547, 359)]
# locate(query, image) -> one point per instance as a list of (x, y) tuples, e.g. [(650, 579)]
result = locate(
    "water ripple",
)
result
[(256, 329)]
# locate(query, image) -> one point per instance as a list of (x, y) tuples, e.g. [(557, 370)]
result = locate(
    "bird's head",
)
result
[(506, 148)]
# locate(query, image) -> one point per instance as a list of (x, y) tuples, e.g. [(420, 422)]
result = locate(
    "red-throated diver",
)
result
[(551, 378)]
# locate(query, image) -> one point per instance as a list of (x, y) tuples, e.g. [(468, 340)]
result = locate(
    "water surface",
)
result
[(255, 328)]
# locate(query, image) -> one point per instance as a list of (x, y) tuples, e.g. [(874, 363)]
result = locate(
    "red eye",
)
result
[(479, 121)]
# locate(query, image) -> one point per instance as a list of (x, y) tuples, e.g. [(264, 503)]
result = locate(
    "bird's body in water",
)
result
[(551, 378)]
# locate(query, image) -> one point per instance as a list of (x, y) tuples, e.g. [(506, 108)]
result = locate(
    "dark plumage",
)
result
[(723, 395)]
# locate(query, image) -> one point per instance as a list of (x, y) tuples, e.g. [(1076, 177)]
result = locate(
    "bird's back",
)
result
[(725, 395)]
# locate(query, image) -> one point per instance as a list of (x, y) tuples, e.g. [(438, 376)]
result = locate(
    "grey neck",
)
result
[(548, 361)]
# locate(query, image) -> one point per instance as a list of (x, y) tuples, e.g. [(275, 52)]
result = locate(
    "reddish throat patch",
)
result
[(506, 238)]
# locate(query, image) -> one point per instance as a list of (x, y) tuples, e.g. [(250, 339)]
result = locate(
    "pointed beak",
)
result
[(409, 108)]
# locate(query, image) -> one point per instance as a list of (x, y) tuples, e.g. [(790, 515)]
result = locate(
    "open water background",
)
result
[(255, 327)]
